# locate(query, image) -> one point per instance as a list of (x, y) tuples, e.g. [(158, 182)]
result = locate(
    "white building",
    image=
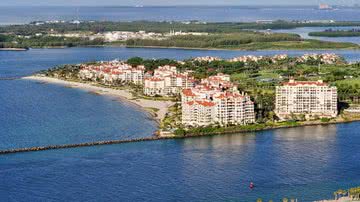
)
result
[(246, 58), (125, 35), (166, 81), (216, 101), (207, 59), (198, 113), (233, 108), (154, 86), (111, 72), (309, 98), (326, 58)]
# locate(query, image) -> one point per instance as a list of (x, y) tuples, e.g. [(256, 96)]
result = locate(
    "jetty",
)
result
[(9, 78), (86, 144), (162, 137)]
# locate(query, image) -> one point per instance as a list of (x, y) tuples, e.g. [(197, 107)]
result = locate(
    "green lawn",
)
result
[(351, 82), (269, 74)]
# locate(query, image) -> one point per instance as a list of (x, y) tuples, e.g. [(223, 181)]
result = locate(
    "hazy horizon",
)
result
[(174, 3)]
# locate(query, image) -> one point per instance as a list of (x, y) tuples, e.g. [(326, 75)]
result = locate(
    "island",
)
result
[(185, 97), (337, 33), (192, 34)]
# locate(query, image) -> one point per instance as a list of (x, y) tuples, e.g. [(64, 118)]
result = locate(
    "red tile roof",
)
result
[(297, 83), (203, 103), (188, 92), (229, 95), (206, 103), (154, 79)]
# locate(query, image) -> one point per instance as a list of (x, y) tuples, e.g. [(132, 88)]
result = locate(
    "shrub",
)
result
[(324, 120)]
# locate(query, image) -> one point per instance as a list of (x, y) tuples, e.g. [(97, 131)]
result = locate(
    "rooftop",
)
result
[(202, 102), (304, 83)]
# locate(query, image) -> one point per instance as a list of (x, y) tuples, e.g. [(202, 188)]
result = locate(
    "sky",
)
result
[(170, 2)]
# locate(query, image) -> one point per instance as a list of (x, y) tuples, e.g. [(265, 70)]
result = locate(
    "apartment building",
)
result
[(166, 81), (216, 101), (309, 98), (111, 72), (198, 113)]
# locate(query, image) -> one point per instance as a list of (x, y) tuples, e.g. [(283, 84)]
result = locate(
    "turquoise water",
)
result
[(305, 163)]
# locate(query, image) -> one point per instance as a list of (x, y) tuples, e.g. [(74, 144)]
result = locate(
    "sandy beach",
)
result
[(13, 49), (124, 95)]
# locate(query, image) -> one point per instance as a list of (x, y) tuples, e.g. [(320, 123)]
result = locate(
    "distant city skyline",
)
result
[(169, 2)]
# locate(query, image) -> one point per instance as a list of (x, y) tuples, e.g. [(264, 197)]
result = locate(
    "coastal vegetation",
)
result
[(245, 41), (336, 33), (216, 40), (349, 90), (12, 41), (162, 27), (221, 35), (172, 118), (341, 195), (353, 194)]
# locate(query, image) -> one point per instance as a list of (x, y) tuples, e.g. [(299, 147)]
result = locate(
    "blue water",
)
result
[(305, 163), (27, 62), (17, 15), (35, 114), (304, 33)]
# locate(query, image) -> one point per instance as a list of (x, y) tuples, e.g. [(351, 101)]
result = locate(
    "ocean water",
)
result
[(34, 114), (305, 163), (19, 15), (13, 64)]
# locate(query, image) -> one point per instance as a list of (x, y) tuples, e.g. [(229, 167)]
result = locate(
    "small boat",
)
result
[(251, 186)]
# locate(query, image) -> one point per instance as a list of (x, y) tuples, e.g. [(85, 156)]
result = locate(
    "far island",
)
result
[(337, 33), (193, 35)]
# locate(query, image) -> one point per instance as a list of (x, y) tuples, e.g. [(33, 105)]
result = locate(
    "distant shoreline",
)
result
[(239, 49), (181, 48)]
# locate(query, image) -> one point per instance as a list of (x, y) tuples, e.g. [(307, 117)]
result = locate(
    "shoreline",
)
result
[(144, 139), (163, 107), (269, 128), (242, 49), (183, 48), (13, 49), (122, 95)]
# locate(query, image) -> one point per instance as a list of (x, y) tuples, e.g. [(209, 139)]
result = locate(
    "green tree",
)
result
[(135, 61)]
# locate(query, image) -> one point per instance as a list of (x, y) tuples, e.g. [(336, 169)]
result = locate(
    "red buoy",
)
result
[(251, 185)]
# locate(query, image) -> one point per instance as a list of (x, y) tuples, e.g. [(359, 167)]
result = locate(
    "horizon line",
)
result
[(175, 5)]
